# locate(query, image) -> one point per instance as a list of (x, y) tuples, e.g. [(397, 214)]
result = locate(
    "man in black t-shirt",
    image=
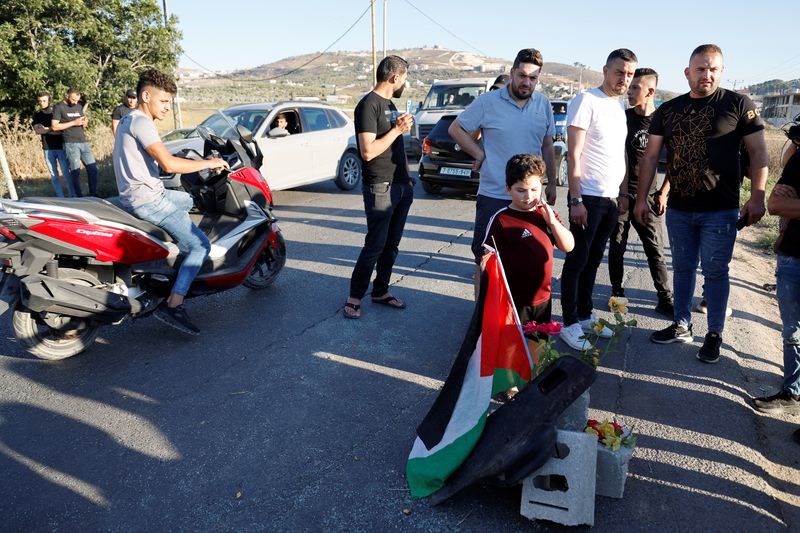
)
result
[(69, 119), (703, 130), (641, 95), (784, 202), (126, 107), (387, 186), (52, 144)]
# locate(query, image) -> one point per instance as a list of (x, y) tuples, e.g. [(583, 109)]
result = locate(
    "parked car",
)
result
[(445, 164), (560, 117), (180, 133), (445, 97), (317, 144)]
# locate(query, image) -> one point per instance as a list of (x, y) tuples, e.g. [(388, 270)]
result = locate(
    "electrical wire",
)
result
[(251, 80), (448, 31)]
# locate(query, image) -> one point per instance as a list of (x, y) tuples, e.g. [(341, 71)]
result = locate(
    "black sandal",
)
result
[(391, 301), (356, 309)]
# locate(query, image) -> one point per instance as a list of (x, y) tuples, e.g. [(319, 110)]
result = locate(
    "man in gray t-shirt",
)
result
[(512, 120), (138, 154)]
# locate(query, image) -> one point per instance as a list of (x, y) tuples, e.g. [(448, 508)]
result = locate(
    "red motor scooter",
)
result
[(73, 265)]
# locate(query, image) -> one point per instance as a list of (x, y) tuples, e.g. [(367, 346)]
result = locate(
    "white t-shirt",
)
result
[(136, 170), (603, 156)]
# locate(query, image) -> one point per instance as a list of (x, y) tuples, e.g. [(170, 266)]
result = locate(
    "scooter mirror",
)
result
[(245, 134)]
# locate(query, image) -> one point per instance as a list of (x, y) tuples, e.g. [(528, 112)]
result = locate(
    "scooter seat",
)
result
[(106, 210)]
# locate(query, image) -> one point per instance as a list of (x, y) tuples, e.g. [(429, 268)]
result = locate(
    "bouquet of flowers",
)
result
[(544, 355), (610, 434)]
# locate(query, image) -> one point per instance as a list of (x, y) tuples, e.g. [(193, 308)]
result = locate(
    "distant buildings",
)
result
[(778, 109)]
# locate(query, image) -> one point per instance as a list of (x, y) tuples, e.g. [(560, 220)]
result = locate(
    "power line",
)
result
[(448, 31), (361, 16)]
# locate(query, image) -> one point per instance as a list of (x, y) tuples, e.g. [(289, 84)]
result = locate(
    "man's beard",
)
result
[(399, 91), (516, 93)]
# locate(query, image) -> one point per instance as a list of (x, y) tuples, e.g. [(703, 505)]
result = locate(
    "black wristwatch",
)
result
[(575, 201)]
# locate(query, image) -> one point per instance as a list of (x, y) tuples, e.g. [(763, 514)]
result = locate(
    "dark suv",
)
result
[(445, 164)]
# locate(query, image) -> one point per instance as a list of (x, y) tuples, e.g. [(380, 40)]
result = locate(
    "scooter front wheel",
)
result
[(52, 338), (268, 265)]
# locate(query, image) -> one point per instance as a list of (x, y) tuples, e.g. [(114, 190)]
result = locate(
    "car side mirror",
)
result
[(277, 133), (245, 134)]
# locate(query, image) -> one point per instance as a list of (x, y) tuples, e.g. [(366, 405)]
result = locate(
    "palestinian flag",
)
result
[(493, 358)]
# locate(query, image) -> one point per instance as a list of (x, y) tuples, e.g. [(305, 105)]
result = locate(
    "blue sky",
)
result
[(756, 37)]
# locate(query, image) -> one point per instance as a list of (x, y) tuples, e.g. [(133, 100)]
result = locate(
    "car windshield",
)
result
[(249, 118), (451, 96)]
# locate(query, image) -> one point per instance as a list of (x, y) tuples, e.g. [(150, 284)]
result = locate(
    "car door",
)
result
[(286, 159), (327, 146)]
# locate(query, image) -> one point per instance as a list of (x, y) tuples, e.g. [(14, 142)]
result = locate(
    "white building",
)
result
[(778, 109)]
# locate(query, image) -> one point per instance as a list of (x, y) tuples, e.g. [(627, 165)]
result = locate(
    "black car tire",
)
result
[(431, 188), (349, 174)]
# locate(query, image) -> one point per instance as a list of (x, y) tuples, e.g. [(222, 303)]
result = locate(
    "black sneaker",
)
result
[(176, 317), (666, 308), (672, 333), (782, 403), (618, 292), (709, 352)]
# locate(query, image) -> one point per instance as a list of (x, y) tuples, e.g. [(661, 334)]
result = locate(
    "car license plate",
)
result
[(455, 171)]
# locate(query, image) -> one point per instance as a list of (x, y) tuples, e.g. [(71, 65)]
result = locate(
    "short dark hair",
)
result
[(389, 66), (155, 78), (706, 49), (43, 93), (528, 55), (644, 71), (623, 54), (523, 166), (73, 90)]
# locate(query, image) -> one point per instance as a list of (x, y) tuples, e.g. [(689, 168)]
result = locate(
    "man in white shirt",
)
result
[(597, 129)]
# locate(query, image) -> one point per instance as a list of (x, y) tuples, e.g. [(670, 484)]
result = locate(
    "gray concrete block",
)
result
[(612, 470), (562, 490), (574, 417)]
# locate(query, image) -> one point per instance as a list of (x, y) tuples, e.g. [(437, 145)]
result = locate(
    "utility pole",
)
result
[(385, 6), (374, 58), (176, 106), (735, 83), (580, 67), (12, 191)]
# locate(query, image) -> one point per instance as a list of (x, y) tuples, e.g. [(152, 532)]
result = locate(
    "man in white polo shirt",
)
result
[(513, 120), (597, 129)]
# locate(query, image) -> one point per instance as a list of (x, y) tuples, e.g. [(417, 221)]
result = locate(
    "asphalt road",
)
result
[(283, 416)]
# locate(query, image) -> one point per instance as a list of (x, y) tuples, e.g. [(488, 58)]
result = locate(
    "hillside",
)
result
[(349, 74)]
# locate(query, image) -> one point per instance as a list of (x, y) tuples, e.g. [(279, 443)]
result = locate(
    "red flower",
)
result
[(551, 328)]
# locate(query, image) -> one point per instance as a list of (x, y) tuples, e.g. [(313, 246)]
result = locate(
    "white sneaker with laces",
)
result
[(588, 326), (572, 336)]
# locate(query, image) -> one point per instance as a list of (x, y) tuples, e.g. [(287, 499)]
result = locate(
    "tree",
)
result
[(98, 46)]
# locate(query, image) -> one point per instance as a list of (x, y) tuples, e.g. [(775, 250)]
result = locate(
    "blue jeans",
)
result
[(171, 212), (706, 237), (788, 274), (77, 152), (54, 158), (386, 207)]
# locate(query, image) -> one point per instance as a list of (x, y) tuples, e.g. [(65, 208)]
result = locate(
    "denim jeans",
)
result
[(77, 152), (788, 274), (171, 212), (651, 234), (707, 237), (386, 207), (580, 265), (54, 158)]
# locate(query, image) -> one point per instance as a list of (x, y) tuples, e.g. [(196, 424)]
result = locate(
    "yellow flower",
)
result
[(618, 304), (598, 327), (592, 431)]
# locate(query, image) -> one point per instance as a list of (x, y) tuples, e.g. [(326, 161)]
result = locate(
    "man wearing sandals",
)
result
[(387, 186)]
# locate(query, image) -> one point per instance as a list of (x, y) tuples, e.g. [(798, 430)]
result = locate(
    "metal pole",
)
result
[(374, 58), (12, 191), (385, 5), (176, 106)]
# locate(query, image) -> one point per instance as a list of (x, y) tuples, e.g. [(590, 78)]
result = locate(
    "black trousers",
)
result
[(386, 206), (580, 265), (652, 236)]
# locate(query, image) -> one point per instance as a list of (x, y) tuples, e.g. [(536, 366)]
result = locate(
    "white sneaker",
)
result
[(572, 336), (588, 326)]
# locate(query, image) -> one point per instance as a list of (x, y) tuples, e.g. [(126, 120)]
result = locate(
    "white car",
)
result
[(317, 144)]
